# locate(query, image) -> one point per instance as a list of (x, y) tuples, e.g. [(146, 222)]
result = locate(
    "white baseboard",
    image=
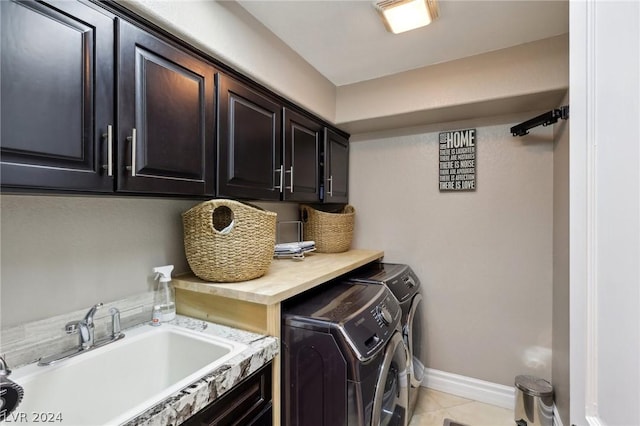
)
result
[(468, 387)]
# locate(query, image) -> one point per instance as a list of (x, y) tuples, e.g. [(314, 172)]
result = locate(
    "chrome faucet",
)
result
[(86, 331), (85, 327)]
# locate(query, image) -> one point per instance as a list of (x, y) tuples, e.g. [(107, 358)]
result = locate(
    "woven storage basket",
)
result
[(241, 252), (332, 232)]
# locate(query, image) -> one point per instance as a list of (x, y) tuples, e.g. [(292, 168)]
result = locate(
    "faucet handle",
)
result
[(71, 327), (88, 319)]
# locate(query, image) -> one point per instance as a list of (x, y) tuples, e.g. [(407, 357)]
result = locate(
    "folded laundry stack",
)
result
[(294, 250)]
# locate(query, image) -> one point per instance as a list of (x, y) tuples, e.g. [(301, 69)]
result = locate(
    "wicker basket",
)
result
[(229, 241), (332, 232)]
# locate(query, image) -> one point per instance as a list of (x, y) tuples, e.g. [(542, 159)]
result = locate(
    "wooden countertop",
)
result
[(285, 277)]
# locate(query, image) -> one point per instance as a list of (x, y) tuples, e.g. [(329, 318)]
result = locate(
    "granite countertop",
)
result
[(183, 404)]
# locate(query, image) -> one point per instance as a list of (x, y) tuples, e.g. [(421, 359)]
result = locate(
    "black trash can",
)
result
[(534, 402)]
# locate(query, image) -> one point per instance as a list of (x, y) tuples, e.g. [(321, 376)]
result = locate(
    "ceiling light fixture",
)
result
[(404, 15)]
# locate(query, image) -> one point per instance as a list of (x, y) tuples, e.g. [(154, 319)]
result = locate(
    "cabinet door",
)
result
[(249, 142), (57, 74), (248, 403), (302, 138), (166, 117), (336, 168)]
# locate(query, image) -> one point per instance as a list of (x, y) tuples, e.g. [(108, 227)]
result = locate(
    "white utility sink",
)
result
[(112, 384)]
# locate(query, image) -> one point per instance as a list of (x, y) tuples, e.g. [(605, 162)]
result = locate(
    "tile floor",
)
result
[(434, 406)]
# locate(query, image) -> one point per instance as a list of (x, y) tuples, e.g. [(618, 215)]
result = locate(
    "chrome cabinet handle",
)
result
[(132, 139), (330, 192), (290, 171), (109, 137), (281, 171)]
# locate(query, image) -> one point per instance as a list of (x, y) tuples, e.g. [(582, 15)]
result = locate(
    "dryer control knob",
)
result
[(383, 315)]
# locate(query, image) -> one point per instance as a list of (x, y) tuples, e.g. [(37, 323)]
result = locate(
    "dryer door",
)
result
[(391, 398), (413, 338)]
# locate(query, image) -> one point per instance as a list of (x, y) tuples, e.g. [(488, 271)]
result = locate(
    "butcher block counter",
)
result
[(255, 305)]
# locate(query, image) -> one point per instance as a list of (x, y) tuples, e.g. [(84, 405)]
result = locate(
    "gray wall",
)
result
[(61, 254), (536, 67), (484, 257), (561, 333)]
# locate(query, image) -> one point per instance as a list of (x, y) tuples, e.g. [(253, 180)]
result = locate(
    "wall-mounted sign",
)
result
[(458, 160)]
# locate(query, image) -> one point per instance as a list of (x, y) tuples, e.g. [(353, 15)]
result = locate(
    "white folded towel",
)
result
[(297, 247)]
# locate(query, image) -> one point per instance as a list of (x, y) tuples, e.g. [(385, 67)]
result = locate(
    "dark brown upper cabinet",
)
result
[(301, 162), (96, 100), (166, 117), (57, 103), (249, 142), (336, 168), (59, 129)]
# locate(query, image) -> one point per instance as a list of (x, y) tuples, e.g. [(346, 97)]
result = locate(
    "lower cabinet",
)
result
[(249, 403)]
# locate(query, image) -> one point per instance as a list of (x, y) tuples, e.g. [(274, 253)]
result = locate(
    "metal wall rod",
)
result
[(541, 120)]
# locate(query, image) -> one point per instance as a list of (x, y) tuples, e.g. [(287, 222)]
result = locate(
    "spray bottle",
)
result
[(165, 294)]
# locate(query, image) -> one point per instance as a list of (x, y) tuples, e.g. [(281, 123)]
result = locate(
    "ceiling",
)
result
[(347, 43)]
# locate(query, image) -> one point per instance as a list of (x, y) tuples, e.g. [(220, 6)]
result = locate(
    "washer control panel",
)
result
[(400, 279), (372, 328), (362, 316)]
